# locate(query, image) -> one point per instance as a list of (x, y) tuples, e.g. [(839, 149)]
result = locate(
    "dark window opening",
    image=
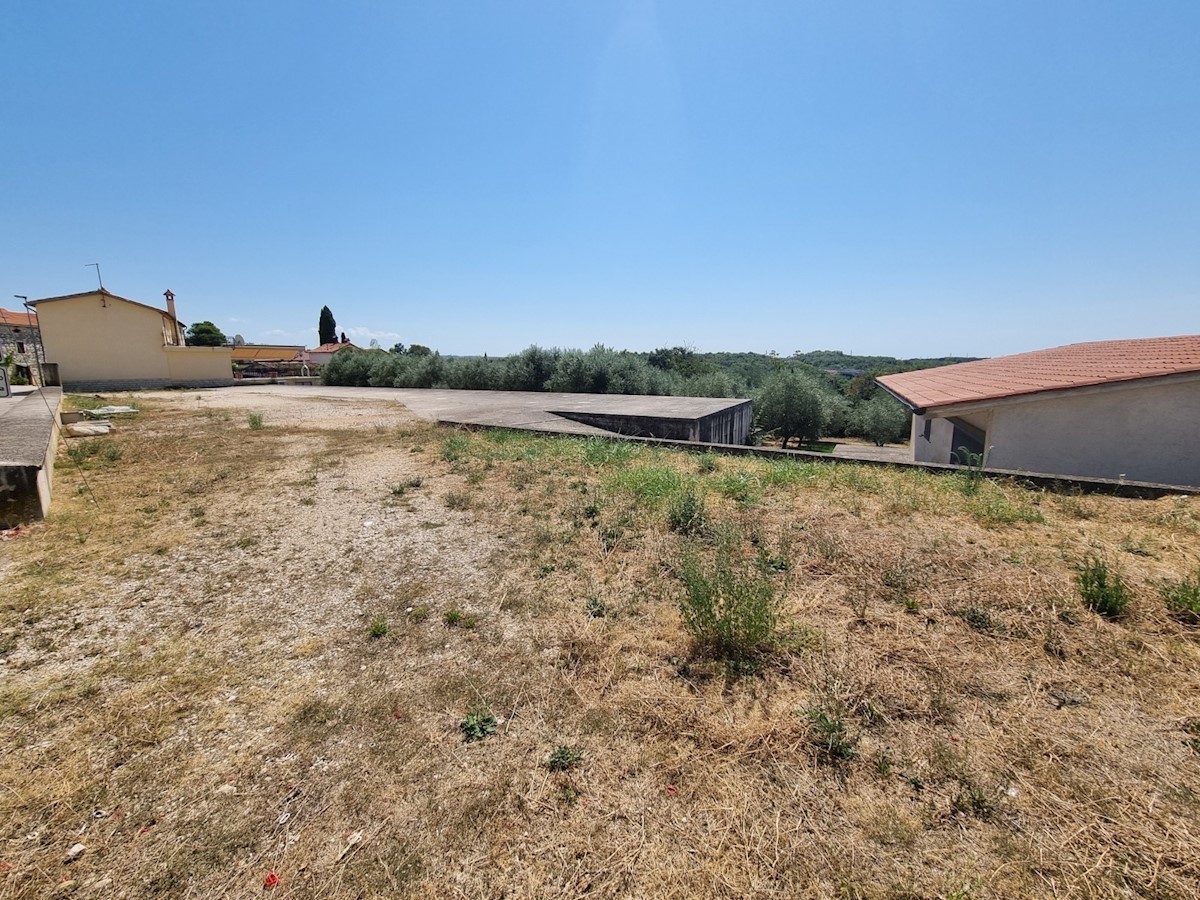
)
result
[(928, 429), (967, 444), (20, 347)]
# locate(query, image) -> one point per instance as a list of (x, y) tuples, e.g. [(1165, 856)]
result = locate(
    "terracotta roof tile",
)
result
[(1056, 369), (17, 319), (330, 348)]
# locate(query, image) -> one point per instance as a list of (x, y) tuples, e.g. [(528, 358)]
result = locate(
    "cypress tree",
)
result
[(327, 327)]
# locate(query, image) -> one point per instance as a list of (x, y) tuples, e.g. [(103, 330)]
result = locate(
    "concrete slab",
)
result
[(583, 414), (28, 430)]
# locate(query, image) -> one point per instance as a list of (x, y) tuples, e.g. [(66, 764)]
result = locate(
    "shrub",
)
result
[(349, 367), (603, 370), (1183, 598), (473, 374), (530, 369), (711, 384), (256, 421), (1103, 590), (729, 607)]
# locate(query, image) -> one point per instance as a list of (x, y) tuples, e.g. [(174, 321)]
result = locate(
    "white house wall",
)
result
[(1145, 433)]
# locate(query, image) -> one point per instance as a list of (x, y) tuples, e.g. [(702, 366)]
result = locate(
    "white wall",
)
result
[(1149, 432), (936, 448)]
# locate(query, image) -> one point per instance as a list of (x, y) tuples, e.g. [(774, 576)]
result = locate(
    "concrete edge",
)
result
[(1146, 490)]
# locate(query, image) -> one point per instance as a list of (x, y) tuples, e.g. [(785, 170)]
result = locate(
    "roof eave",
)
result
[(968, 406)]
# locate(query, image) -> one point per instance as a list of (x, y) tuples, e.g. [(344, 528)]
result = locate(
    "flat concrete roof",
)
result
[(512, 409), (27, 425)]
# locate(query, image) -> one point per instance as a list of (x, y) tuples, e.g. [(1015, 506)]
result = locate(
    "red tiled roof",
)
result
[(17, 319), (1056, 369), (330, 348)]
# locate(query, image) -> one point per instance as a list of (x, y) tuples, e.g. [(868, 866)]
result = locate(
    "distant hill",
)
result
[(836, 359), (752, 368)]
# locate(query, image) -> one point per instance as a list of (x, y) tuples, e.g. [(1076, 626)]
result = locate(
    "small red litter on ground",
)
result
[(271, 880), (671, 789)]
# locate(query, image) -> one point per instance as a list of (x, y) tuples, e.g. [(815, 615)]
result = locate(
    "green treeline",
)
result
[(844, 398)]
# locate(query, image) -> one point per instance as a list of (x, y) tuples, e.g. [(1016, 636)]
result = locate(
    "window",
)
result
[(20, 347)]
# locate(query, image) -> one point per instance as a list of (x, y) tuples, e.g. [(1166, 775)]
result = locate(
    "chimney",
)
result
[(170, 295)]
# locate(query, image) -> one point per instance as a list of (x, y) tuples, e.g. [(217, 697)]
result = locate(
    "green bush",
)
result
[(728, 607), (530, 369), (475, 374), (1183, 598), (1103, 590)]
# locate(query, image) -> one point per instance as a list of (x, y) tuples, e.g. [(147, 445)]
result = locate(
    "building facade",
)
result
[(20, 343), (102, 342), (1123, 410)]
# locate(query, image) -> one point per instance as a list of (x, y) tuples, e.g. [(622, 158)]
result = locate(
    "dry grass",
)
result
[(195, 687)]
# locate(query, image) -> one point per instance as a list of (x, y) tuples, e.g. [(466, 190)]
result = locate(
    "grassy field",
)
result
[(346, 653)]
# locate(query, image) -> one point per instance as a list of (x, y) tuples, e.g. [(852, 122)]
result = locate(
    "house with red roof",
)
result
[(19, 340), (1125, 409), (318, 356)]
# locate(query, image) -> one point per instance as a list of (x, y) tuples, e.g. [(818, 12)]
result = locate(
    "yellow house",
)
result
[(102, 342)]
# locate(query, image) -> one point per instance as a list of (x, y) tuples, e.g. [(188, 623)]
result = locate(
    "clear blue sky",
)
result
[(910, 179)]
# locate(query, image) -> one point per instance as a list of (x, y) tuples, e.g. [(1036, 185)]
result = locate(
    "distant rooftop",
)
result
[(1056, 369), (331, 348), (17, 319)]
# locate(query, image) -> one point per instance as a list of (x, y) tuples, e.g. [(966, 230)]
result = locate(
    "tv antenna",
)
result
[(98, 278)]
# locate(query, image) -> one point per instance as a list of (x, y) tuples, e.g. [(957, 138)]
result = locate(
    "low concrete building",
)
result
[(102, 342), (19, 339), (1106, 409)]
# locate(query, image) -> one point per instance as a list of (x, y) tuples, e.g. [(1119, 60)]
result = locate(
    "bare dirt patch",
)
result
[(355, 654)]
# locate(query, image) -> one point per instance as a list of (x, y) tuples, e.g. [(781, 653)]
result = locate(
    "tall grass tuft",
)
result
[(729, 607), (687, 513), (1103, 590), (1183, 598)]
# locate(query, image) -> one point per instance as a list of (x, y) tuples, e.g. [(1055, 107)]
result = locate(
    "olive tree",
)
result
[(882, 419), (791, 405)]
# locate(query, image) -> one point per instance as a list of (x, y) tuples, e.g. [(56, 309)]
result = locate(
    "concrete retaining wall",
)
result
[(28, 435), (144, 384)]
